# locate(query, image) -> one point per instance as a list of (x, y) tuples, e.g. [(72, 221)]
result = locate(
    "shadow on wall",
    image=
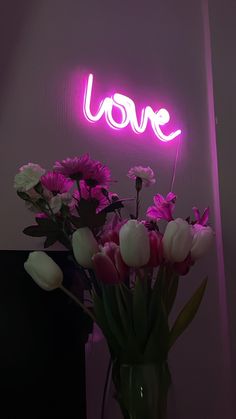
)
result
[(13, 16)]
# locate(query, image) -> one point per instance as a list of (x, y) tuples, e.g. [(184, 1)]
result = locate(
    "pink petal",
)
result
[(196, 214), (153, 213), (156, 249), (171, 197), (159, 200), (182, 268), (122, 268), (205, 217), (104, 269)]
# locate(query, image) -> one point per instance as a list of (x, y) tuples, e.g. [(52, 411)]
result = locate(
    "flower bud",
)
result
[(177, 240), (84, 246), (134, 244), (202, 239), (44, 271)]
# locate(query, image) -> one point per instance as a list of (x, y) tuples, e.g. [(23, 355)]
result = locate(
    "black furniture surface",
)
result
[(42, 337)]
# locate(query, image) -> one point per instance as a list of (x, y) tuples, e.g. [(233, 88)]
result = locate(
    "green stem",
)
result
[(77, 301)]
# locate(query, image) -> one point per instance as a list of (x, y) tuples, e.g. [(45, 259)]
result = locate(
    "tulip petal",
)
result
[(105, 269), (122, 268)]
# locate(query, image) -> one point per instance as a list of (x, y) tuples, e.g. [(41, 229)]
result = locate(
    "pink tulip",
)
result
[(156, 249), (108, 265), (182, 268), (105, 269)]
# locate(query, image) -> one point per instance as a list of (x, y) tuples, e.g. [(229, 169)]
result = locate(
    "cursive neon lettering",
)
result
[(127, 109)]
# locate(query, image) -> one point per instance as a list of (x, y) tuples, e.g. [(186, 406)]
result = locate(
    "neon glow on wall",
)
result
[(127, 109)]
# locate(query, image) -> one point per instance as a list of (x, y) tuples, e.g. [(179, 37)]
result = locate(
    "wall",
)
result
[(155, 52), (223, 33)]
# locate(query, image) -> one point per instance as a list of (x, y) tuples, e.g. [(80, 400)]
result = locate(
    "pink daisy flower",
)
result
[(95, 193), (56, 183), (76, 168), (98, 175)]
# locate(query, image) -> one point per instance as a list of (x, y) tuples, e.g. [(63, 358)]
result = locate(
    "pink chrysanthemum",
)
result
[(76, 168), (98, 175), (84, 168), (56, 183), (95, 193)]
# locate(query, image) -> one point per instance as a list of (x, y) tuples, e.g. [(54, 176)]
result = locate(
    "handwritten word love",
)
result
[(127, 109)]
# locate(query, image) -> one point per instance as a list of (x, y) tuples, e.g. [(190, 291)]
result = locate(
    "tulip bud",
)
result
[(109, 265), (104, 269), (84, 246), (44, 271), (134, 244), (109, 250), (202, 239), (177, 240)]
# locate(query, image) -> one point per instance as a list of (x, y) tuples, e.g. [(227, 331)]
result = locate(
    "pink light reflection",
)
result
[(127, 109)]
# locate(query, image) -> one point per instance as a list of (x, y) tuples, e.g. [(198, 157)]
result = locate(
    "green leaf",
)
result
[(87, 214), (157, 345), (123, 313), (102, 322), (34, 231), (38, 188), (47, 225), (23, 195), (112, 207), (187, 314), (112, 314), (156, 298), (140, 314), (172, 292), (76, 221), (50, 240), (64, 240), (87, 206)]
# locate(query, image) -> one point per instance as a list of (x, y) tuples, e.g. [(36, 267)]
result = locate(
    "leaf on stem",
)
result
[(140, 312), (187, 314), (172, 292)]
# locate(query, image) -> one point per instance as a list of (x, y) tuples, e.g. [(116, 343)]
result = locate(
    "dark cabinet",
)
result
[(42, 340)]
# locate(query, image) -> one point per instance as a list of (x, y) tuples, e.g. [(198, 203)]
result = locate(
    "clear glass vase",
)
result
[(143, 391)]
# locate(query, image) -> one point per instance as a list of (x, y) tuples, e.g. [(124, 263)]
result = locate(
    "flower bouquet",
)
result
[(129, 267)]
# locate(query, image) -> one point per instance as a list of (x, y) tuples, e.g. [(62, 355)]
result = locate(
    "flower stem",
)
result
[(137, 205), (77, 301), (138, 187)]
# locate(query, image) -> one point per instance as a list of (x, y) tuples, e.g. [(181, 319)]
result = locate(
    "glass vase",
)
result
[(143, 391)]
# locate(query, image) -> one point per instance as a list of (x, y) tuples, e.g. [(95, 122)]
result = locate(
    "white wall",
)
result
[(223, 35)]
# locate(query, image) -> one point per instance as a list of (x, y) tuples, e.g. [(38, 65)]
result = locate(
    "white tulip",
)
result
[(44, 271), (84, 246), (134, 244), (28, 177), (177, 240), (202, 239)]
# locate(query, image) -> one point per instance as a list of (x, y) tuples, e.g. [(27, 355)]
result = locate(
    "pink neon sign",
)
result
[(127, 109)]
